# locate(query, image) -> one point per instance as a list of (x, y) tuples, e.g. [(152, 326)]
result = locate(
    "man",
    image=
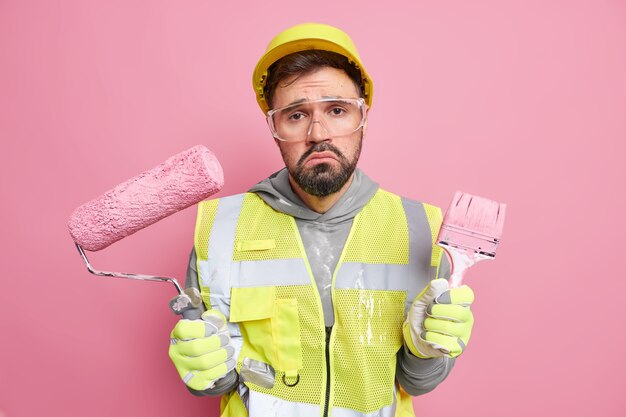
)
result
[(321, 289)]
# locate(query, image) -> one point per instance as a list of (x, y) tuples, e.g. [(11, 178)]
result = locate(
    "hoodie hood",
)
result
[(277, 193)]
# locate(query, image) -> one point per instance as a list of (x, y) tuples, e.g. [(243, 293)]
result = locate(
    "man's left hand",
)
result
[(439, 322)]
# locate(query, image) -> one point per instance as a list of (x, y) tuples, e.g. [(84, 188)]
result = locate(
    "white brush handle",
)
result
[(460, 261)]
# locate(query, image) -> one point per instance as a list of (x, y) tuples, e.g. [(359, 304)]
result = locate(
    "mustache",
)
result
[(321, 147)]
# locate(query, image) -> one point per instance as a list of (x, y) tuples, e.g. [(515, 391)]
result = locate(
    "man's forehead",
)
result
[(324, 83)]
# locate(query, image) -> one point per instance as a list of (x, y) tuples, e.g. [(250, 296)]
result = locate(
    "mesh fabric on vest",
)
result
[(258, 221), (433, 214), (386, 237), (368, 337), (206, 214), (311, 385)]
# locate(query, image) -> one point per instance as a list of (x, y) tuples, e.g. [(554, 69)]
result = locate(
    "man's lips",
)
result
[(319, 157)]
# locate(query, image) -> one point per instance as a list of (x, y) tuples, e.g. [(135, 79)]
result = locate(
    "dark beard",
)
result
[(323, 180)]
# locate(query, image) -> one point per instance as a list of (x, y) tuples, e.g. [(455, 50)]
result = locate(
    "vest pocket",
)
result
[(252, 303), (286, 329), (270, 327), (255, 245)]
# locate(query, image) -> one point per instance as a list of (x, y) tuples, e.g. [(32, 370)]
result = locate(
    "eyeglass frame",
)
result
[(361, 102)]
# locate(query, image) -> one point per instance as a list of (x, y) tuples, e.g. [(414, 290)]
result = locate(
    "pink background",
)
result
[(522, 102)]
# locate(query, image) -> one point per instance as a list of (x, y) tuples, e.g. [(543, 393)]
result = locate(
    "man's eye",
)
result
[(296, 116), (337, 111)]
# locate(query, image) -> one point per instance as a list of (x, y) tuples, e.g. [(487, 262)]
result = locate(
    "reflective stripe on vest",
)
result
[(263, 405), (252, 266)]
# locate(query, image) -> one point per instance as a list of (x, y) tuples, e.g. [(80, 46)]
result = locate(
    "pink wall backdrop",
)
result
[(520, 101)]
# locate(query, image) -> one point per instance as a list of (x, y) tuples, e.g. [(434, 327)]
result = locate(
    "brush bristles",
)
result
[(476, 214)]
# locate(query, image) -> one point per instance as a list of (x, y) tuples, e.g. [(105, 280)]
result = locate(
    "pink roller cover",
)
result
[(183, 180)]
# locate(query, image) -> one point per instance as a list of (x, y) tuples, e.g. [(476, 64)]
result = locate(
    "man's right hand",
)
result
[(439, 322), (201, 350)]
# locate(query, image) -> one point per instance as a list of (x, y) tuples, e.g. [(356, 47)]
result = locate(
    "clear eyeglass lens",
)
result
[(339, 117)]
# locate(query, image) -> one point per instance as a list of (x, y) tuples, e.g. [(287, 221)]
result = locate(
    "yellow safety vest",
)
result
[(253, 267)]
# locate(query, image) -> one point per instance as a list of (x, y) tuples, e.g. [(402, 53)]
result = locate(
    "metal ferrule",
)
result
[(459, 237)]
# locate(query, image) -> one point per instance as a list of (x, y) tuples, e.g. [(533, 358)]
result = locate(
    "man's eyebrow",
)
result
[(302, 100)]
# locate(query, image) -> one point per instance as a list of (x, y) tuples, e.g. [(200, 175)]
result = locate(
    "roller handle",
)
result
[(188, 304)]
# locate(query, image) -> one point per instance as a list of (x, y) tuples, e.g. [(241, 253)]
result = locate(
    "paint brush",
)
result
[(470, 232)]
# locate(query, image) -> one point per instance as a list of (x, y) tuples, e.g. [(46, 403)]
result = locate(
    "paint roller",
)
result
[(181, 181)]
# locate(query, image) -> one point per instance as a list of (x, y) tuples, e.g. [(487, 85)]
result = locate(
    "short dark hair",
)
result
[(306, 62)]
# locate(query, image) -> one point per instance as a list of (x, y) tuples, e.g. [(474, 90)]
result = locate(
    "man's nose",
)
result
[(317, 132)]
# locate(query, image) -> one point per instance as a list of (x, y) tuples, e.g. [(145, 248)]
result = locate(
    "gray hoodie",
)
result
[(324, 236)]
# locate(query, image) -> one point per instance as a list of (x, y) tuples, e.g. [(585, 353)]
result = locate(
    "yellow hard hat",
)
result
[(304, 37)]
